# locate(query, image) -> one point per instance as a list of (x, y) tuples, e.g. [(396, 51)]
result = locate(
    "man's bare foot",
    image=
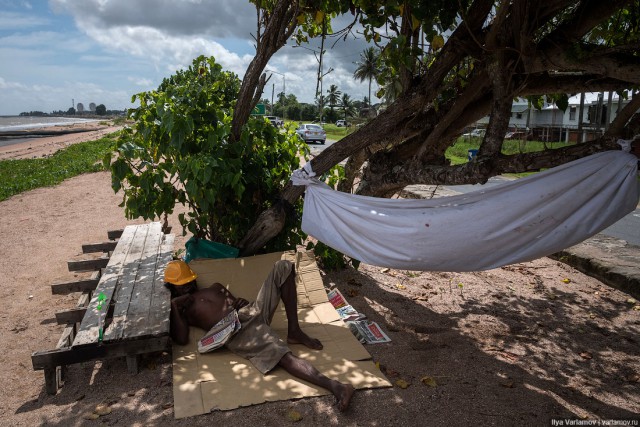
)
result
[(343, 394), (300, 337)]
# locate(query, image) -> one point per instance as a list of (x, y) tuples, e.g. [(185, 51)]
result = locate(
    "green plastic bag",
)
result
[(201, 248)]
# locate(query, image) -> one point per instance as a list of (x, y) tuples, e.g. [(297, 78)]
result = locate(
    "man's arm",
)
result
[(179, 324)]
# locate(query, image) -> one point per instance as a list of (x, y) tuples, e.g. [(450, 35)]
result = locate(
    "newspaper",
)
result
[(366, 331), (336, 298), (348, 313), (220, 333)]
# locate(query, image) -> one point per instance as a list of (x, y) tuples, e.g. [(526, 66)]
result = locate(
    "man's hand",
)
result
[(182, 302), (239, 303)]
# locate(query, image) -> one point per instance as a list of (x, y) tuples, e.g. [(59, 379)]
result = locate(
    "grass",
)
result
[(21, 175), (458, 152)]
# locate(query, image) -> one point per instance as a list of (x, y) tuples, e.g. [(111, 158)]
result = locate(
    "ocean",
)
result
[(17, 123), (29, 123)]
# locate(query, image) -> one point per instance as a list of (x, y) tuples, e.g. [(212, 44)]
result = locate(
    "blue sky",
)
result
[(104, 51)]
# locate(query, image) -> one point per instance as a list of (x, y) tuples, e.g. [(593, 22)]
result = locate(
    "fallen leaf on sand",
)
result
[(631, 301), (90, 416), (102, 410), (167, 405), (384, 270), (294, 416), (428, 381), (402, 384), (399, 286), (586, 355)]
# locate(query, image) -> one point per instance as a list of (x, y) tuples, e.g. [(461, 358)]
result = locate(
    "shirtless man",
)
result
[(255, 341)]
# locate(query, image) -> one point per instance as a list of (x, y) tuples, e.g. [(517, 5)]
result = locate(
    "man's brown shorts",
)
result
[(256, 340)]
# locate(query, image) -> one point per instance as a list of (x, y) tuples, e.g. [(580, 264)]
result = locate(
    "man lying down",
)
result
[(255, 340)]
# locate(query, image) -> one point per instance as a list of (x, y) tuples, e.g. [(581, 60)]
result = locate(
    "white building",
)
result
[(552, 124)]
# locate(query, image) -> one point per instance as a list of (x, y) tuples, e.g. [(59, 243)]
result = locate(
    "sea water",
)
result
[(17, 123)]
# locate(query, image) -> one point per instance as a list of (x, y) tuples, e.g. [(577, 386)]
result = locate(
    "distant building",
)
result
[(552, 124)]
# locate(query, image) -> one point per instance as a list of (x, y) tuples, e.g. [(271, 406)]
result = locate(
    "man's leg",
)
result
[(306, 371), (289, 296)]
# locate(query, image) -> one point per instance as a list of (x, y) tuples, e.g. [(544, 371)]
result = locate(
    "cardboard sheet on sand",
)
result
[(220, 380)]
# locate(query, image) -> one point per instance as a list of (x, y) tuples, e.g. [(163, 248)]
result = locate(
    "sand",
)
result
[(517, 345)]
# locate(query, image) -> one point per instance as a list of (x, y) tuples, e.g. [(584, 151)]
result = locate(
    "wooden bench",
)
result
[(125, 299)]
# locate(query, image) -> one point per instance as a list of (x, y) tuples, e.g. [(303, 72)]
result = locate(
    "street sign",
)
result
[(259, 110)]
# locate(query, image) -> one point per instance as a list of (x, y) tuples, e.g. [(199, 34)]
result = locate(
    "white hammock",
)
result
[(514, 222)]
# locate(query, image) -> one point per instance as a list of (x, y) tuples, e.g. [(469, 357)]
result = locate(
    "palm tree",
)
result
[(367, 67), (347, 106), (334, 97)]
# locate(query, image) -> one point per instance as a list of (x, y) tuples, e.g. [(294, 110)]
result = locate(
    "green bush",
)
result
[(179, 151)]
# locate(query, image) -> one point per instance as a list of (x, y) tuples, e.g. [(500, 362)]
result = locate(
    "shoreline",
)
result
[(43, 142)]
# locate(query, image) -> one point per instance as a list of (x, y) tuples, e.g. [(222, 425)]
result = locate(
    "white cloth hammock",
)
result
[(514, 222)]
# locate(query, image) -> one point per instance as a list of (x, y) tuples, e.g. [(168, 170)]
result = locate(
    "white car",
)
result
[(276, 121), (477, 133), (312, 133), (342, 123)]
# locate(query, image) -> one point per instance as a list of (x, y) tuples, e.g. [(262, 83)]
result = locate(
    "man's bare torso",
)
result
[(209, 306)]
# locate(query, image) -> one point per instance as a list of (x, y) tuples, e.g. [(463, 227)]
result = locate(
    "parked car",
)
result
[(476, 133), (310, 132), (276, 121), (515, 135), (342, 123)]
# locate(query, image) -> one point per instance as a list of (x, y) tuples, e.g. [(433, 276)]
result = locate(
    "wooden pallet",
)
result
[(125, 297)]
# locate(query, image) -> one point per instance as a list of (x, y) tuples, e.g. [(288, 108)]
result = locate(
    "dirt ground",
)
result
[(519, 345)]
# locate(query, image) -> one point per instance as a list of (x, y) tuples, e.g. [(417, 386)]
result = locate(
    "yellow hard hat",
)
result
[(178, 273)]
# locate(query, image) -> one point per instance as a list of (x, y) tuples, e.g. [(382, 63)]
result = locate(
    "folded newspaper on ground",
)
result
[(365, 330), (220, 333), (368, 332)]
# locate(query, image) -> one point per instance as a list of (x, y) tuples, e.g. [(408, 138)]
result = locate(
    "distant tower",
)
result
[(80, 108), (92, 107)]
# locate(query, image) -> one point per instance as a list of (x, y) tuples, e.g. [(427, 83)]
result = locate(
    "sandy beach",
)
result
[(31, 146), (518, 345)]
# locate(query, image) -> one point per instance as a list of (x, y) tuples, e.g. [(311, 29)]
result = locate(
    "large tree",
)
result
[(479, 56), (451, 64)]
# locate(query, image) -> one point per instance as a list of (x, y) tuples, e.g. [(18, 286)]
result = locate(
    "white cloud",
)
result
[(20, 21)]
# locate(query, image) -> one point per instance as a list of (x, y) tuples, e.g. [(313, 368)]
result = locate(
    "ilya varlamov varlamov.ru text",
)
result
[(576, 422)]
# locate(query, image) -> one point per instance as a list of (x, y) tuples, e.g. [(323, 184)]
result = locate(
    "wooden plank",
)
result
[(88, 332), (135, 324), (77, 286), (150, 307), (160, 302), (72, 315), (88, 264), (70, 355), (114, 234), (99, 247), (135, 273)]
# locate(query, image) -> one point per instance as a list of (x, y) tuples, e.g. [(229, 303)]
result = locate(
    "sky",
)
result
[(55, 54)]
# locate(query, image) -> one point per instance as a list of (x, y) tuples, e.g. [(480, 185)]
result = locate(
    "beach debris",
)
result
[(102, 409), (402, 384), (294, 415), (90, 416), (586, 355), (565, 280), (632, 301), (429, 381)]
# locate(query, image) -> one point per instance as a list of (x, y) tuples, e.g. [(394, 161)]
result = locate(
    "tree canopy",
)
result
[(456, 62), (448, 64)]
